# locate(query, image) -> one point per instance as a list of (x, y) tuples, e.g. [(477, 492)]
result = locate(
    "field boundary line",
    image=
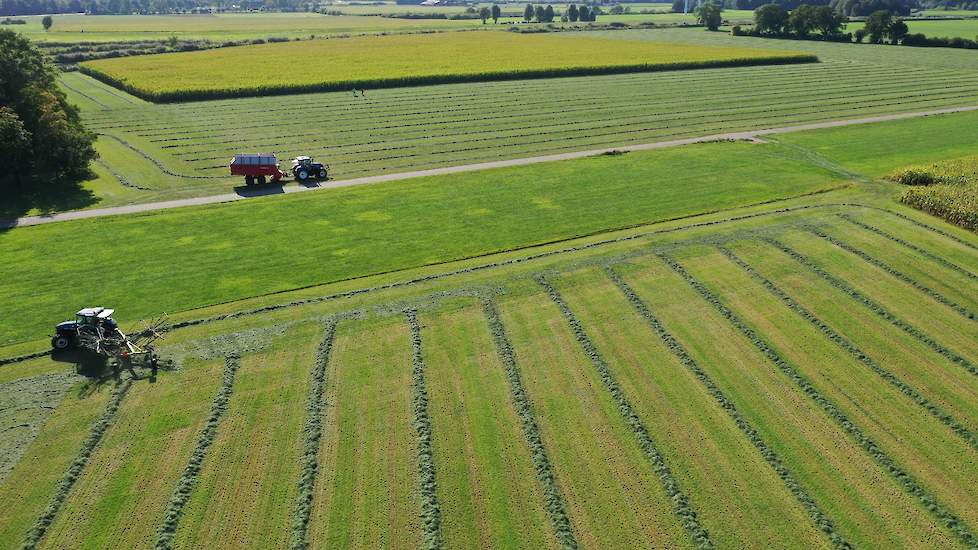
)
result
[(937, 296), (953, 523), (874, 306), (312, 435), (853, 350), (681, 505), (427, 483), (821, 521), (929, 255), (554, 500), (36, 533), (185, 485), (367, 180)]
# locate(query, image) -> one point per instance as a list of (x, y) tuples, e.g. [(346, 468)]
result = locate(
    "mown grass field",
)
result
[(402, 60), (774, 375), (156, 152)]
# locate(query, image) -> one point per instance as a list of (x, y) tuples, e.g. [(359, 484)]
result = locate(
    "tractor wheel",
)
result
[(60, 342), (302, 174), (322, 173), (261, 180), (249, 180)]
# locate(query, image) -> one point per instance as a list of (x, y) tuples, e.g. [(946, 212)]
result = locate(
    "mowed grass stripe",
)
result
[(853, 350), (487, 491), (870, 503), (312, 434), (367, 489), (951, 284), (817, 530), (941, 461), (427, 479), (120, 499), (40, 528), (921, 251), (554, 501), (961, 530), (728, 482), (28, 489), (928, 310), (896, 273), (681, 505), (613, 498), (876, 307), (246, 487), (205, 439)]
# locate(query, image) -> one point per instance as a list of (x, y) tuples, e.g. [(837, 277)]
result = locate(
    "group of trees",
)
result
[(801, 22), (547, 14), (41, 132), (862, 8)]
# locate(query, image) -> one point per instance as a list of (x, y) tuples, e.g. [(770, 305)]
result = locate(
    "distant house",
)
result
[(430, 2)]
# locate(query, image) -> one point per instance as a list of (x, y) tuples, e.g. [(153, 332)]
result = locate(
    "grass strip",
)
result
[(430, 512), (682, 506), (875, 307), (932, 229), (952, 522), (965, 312), (925, 253), (821, 520), (40, 527), (854, 350), (556, 507), (186, 483), (312, 434)]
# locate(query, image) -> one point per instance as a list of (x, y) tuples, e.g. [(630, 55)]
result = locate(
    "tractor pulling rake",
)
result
[(95, 330)]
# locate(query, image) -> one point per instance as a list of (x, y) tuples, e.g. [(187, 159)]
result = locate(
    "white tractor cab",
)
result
[(304, 168), (93, 322)]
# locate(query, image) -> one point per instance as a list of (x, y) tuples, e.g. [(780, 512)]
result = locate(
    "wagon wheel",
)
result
[(261, 180)]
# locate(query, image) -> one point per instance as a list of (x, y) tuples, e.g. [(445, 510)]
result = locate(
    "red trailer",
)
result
[(257, 168)]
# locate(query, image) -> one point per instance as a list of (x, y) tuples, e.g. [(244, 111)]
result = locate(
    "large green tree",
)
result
[(770, 19), (710, 15), (878, 25), (58, 145)]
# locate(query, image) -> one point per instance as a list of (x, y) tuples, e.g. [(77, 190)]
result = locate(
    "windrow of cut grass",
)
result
[(681, 504), (555, 503), (487, 491), (121, 497), (27, 490), (367, 487), (725, 477), (261, 434), (960, 529), (870, 504), (403, 60), (909, 440)]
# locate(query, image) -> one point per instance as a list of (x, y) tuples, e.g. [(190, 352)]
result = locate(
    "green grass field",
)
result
[(720, 345), (402, 60), (779, 403), (155, 152)]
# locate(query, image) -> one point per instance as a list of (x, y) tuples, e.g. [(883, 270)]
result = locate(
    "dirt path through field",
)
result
[(752, 135)]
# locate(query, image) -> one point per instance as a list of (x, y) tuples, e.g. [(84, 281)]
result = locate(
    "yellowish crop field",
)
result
[(388, 61)]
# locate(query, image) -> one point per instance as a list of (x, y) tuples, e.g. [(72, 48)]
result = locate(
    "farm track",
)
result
[(213, 199), (682, 507), (953, 523)]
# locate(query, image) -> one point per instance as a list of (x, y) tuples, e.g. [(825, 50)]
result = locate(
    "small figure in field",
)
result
[(363, 93)]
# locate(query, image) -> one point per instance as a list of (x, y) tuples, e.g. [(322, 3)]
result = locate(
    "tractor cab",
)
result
[(93, 321), (304, 168)]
